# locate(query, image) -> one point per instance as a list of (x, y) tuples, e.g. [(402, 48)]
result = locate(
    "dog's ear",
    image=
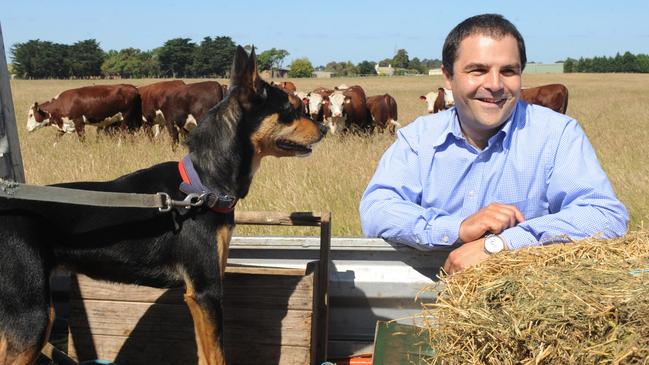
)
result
[(254, 73), (244, 70)]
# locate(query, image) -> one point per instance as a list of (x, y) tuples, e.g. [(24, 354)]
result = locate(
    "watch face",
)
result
[(493, 244)]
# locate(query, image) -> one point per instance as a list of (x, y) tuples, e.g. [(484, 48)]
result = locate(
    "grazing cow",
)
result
[(100, 106), (441, 99), (349, 110), (383, 110), (553, 96), (153, 95), (318, 103), (183, 107)]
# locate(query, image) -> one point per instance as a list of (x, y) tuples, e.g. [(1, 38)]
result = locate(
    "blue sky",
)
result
[(332, 30)]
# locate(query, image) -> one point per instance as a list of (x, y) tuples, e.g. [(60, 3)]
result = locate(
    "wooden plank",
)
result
[(268, 319), (320, 325), (170, 321), (276, 291), (137, 350), (11, 162)]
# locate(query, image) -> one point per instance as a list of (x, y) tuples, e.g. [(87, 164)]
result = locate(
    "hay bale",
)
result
[(585, 302)]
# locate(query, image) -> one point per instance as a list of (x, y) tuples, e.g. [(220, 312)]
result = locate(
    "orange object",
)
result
[(364, 359)]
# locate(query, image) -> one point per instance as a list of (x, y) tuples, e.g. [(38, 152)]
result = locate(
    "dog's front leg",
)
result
[(205, 308)]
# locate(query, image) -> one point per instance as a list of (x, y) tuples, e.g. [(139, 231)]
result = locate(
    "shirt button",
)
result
[(417, 240), (471, 194), (445, 238)]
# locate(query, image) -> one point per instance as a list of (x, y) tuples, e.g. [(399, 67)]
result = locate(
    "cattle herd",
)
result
[(178, 107)]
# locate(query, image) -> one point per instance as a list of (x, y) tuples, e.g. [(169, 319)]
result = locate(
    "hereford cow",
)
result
[(101, 106), (153, 95), (183, 107), (553, 96), (441, 99), (349, 110), (318, 104), (383, 110)]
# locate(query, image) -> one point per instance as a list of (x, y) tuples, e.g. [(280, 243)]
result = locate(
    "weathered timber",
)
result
[(11, 163), (269, 318)]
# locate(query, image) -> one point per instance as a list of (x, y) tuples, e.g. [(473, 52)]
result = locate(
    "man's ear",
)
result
[(447, 77)]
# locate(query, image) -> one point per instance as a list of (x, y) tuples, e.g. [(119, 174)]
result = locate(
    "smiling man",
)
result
[(493, 173)]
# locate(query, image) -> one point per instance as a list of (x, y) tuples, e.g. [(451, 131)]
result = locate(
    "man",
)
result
[(493, 173)]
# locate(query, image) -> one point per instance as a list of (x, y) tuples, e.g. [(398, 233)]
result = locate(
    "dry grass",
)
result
[(584, 303), (612, 108)]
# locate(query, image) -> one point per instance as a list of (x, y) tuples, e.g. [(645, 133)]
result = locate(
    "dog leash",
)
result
[(161, 201)]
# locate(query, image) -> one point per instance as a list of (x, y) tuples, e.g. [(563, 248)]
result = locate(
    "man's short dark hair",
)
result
[(492, 25)]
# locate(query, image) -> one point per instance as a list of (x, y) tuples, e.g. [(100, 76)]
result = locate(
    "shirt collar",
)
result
[(453, 127)]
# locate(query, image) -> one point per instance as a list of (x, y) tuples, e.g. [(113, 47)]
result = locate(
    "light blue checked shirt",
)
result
[(431, 179)]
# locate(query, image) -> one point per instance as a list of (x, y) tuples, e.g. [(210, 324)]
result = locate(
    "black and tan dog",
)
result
[(143, 246)]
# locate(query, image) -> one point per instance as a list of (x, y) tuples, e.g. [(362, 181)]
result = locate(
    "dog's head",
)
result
[(275, 126)]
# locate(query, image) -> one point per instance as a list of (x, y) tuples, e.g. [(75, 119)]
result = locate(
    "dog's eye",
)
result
[(287, 107)]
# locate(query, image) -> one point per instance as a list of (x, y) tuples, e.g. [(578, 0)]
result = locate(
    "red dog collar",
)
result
[(218, 202)]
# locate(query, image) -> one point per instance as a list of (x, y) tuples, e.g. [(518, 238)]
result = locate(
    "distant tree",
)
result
[(213, 56), (176, 56), (271, 59), (40, 59), (629, 63), (85, 58), (428, 64), (130, 63), (300, 67), (569, 65), (401, 60), (416, 65), (366, 68), (385, 62), (342, 68)]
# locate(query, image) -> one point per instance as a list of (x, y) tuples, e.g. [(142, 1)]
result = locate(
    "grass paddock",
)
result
[(612, 108)]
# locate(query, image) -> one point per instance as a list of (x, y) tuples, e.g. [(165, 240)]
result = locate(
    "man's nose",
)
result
[(493, 80)]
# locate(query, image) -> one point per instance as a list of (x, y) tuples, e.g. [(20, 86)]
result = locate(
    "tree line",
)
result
[(627, 62), (178, 57)]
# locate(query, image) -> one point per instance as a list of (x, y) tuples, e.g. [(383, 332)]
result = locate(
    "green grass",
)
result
[(612, 108)]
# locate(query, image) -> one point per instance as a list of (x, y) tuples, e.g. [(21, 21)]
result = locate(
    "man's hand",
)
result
[(465, 256), (493, 218)]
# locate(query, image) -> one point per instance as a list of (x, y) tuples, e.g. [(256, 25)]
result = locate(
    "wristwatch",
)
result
[(493, 243)]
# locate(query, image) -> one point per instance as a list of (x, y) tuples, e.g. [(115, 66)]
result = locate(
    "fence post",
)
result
[(11, 163)]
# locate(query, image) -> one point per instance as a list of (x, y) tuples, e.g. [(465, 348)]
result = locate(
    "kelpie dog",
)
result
[(144, 246)]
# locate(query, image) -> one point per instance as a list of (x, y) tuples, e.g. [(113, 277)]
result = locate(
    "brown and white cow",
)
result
[(349, 110), (383, 110), (553, 96), (183, 107), (153, 96), (436, 101), (318, 104), (101, 106)]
